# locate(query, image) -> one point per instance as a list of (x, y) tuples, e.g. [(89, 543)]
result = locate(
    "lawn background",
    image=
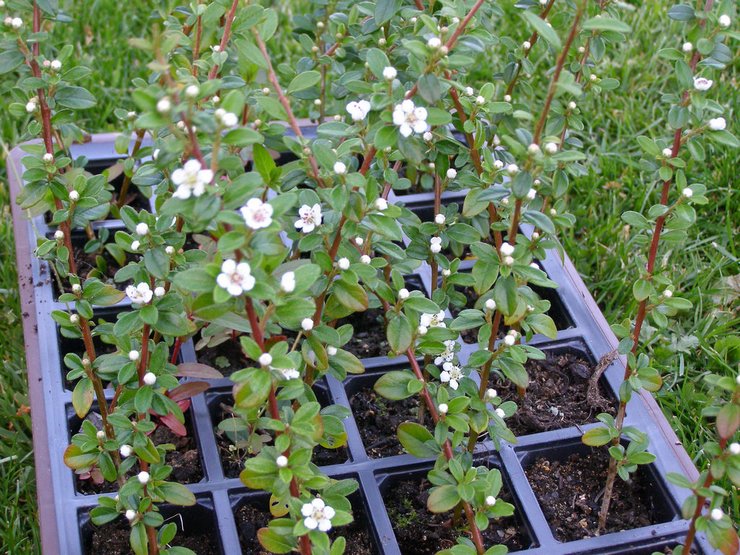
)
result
[(705, 269)]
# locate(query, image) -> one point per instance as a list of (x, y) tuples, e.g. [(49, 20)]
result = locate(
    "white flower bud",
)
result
[(133, 355), (551, 148), (59, 235), (126, 450), (100, 435), (735, 448), (507, 249), (17, 23), (389, 73), (526, 45), (216, 99), (535, 236), (440, 219), (381, 204), (192, 91), (164, 105), (531, 194), (668, 152), (444, 50), (422, 330), (365, 259), (687, 47), (490, 304), (479, 100), (717, 124), (337, 117), (553, 212), (317, 102), (509, 260), (443, 408), (159, 291), (132, 115), (512, 169), (150, 378), (216, 48), (169, 250), (48, 158), (572, 105), (446, 272), (31, 107), (507, 98), (427, 136), (340, 168), (382, 42), (76, 288), (451, 173), (343, 263), (403, 294), (498, 164), (281, 461), (143, 477), (74, 196), (307, 324), (265, 90), (716, 514), (500, 413), (490, 500), (142, 229), (667, 293), (724, 21), (331, 350), (265, 359), (581, 49), (434, 42), (509, 340), (287, 282), (130, 515), (491, 393), (435, 248), (135, 245)]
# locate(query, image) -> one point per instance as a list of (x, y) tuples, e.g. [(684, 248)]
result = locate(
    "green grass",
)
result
[(705, 269)]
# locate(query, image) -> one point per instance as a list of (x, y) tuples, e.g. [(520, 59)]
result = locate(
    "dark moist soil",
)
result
[(378, 419), (569, 493), (557, 396), (249, 519), (86, 263), (184, 460), (420, 532), (369, 339), (113, 539), (226, 357)]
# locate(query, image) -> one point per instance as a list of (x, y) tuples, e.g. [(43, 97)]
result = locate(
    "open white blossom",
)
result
[(139, 294), (235, 278), (309, 218), (433, 320), (451, 374), (440, 219), (256, 214), (448, 354), (410, 118), (358, 110), (191, 180), (702, 83), (717, 124), (317, 515)]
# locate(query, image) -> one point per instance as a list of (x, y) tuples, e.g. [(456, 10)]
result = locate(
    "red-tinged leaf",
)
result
[(177, 427), (728, 420), (75, 459), (198, 370), (188, 390)]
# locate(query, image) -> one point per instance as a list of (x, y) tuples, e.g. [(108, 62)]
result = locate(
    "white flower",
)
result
[(143, 477), (155, 153), (403, 294), (130, 515), (340, 168), (359, 110), (737, 379), (142, 229), (422, 330), (365, 259), (491, 393), (735, 448), (507, 249), (498, 164), (287, 282), (526, 45), (389, 73), (410, 118), (451, 173), (534, 148), (716, 514), (290, 373), (307, 324), (76, 288), (509, 340), (434, 42), (490, 304), (48, 158), (480, 100), (451, 374), (191, 179), (192, 91), (381, 204), (469, 91), (668, 152), (133, 355), (100, 435), (593, 77), (433, 320), (169, 250), (17, 23), (717, 124), (265, 359), (724, 21), (309, 218), (331, 350), (667, 293), (317, 514), (440, 219), (135, 245), (31, 107), (281, 461), (55, 65), (150, 378), (159, 291), (702, 83), (687, 47), (126, 450), (446, 272), (490, 500), (572, 105), (235, 278), (448, 354), (509, 260), (507, 98), (343, 263), (531, 194), (58, 235), (164, 105), (435, 244), (229, 119), (443, 408), (512, 169), (427, 136), (500, 413), (75, 319), (74, 196), (551, 148), (140, 294), (256, 214)]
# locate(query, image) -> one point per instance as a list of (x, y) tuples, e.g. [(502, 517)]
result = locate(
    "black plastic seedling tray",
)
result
[(63, 512)]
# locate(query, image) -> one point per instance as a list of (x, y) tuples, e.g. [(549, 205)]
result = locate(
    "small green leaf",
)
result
[(443, 498), (304, 81), (543, 29), (596, 437), (417, 440)]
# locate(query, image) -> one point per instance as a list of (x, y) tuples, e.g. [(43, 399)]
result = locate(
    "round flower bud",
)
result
[(593, 77), (717, 124), (534, 148), (500, 413), (381, 204), (343, 263), (331, 350), (135, 245), (74, 319), (509, 260), (490, 500), (434, 42), (403, 294), (130, 515), (76, 288), (281, 461), (265, 359), (446, 272), (142, 229), (17, 23), (126, 450), (443, 408), (430, 165), (159, 291), (427, 136), (716, 514), (724, 21), (509, 340), (507, 98), (581, 49), (735, 448), (307, 324), (74, 196), (422, 330), (667, 293), (150, 378), (340, 168), (320, 25), (435, 248), (535, 236), (512, 169), (531, 194), (48, 158), (526, 45), (266, 90), (498, 164), (317, 102), (451, 173), (389, 73), (551, 148), (133, 355), (469, 91), (553, 212), (216, 48), (169, 250), (444, 50), (365, 259), (687, 47), (479, 100), (382, 41), (59, 235), (490, 304), (491, 393), (507, 248), (571, 105), (164, 105), (359, 241), (440, 219), (192, 91), (143, 477), (668, 152), (100, 435)]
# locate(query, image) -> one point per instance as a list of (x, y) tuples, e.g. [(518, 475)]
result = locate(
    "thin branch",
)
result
[(532, 41), (226, 36)]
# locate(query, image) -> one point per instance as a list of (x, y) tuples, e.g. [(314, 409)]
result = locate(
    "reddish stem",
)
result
[(196, 44), (226, 36), (532, 41)]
